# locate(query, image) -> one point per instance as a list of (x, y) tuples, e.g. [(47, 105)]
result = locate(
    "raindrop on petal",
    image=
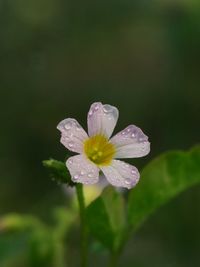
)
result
[(90, 175), (96, 107), (128, 181), (68, 126), (71, 144), (133, 171), (107, 109), (78, 128), (70, 161), (90, 113), (76, 176)]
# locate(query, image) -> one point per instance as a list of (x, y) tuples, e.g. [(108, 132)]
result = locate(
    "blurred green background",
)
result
[(59, 56)]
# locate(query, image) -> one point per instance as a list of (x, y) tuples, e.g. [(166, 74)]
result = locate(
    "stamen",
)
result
[(99, 150)]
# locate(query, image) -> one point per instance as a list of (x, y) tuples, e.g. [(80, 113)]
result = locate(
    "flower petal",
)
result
[(131, 143), (121, 174), (82, 170), (72, 135), (102, 119)]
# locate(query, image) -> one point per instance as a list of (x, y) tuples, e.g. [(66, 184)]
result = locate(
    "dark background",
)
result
[(57, 57)]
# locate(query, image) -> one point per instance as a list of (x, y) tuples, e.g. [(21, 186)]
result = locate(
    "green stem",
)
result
[(84, 232)]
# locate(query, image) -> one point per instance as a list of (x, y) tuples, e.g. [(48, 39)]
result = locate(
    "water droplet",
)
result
[(70, 161), (76, 176), (128, 181), (70, 134), (123, 133), (132, 135), (90, 175), (107, 109), (71, 144), (96, 107), (90, 113), (74, 123), (133, 171), (82, 172), (68, 126)]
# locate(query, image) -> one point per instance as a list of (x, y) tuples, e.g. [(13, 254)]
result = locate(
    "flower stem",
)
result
[(84, 232)]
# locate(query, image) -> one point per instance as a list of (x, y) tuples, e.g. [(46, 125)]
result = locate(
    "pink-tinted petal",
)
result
[(82, 170), (121, 174), (131, 143), (102, 119), (72, 135)]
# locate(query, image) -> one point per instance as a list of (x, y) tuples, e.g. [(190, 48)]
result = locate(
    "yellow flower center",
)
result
[(99, 150)]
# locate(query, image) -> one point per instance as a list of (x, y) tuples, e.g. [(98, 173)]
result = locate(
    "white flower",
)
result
[(98, 152)]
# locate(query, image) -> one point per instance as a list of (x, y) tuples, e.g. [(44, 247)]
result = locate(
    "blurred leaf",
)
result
[(58, 171), (16, 222), (13, 248), (29, 242), (47, 245), (64, 218), (106, 218), (15, 234), (97, 247), (161, 180), (41, 249)]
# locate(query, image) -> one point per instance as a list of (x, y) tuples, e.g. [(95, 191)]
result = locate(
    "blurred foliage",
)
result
[(25, 240), (59, 56), (161, 180)]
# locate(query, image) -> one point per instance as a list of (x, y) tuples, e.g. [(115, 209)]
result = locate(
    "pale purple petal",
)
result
[(82, 170), (131, 143), (72, 135), (102, 119), (121, 174)]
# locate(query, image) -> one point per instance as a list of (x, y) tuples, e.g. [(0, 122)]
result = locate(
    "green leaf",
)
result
[(58, 171), (42, 248), (161, 180), (25, 239), (15, 234), (106, 218), (13, 247)]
